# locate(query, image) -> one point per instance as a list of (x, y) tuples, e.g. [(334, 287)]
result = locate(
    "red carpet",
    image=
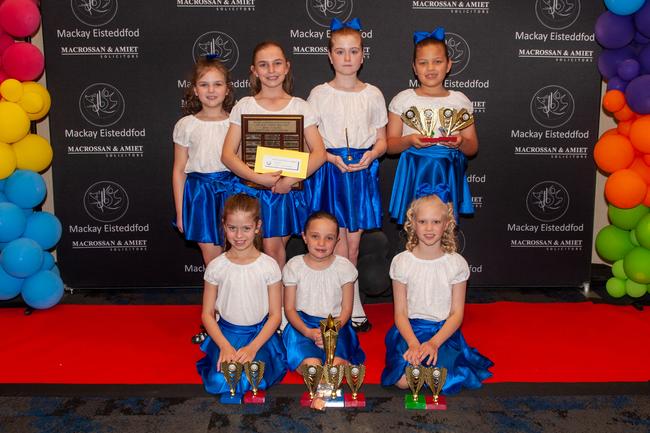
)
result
[(89, 344)]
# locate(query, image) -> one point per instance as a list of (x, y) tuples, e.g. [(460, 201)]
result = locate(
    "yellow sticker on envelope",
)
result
[(291, 162)]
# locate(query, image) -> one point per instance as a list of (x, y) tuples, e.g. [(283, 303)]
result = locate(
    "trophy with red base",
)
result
[(435, 377), (354, 375), (312, 375), (254, 373)]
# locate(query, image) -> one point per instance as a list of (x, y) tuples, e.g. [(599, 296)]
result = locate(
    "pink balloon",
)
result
[(5, 41), (19, 18), (23, 61), (3, 76)]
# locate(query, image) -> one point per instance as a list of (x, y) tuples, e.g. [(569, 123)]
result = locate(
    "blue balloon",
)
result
[(55, 269), (616, 83), (22, 257), (3, 245), (629, 69), (9, 286), (624, 7), (44, 228), (25, 188), (12, 221), (2, 184), (637, 94), (642, 20), (609, 60), (3, 197), (42, 290), (614, 31), (48, 261)]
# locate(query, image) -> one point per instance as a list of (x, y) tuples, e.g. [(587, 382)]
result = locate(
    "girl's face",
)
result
[(241, 229), (211, 88), (321, 236), (270, 66), (347, 54), (431, 220), (431, 65)]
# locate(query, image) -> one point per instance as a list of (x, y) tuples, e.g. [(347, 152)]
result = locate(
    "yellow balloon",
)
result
[(11, 89), (33, 153), (31, 102), (33, 87), (14, 123), (7, 160)]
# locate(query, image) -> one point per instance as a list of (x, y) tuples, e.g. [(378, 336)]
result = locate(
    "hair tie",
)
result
[(337, 24), (438, 34), (440, 190), (212, 57)]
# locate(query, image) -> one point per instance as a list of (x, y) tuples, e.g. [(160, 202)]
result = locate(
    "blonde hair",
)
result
[(255, 84), (192, 104), (243, 203), (448, 241)]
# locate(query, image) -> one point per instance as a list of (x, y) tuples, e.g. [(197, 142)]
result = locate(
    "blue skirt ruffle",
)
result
[(282, 214), (353, 197), (300, 347), (466, 367), (433, 165), (271, 353), (204, 195)]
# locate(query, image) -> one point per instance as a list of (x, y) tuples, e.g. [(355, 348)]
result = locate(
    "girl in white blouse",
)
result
[(242, 302), (429, 283)]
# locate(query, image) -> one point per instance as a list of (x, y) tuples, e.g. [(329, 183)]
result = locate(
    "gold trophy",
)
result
[(312, 375), (415, 378), (329, 329), (232, 373), (347, 145), (254, 373), (435, 378), (437, 126), (354, 375), (334, 377), (414, 118), (452, 120)]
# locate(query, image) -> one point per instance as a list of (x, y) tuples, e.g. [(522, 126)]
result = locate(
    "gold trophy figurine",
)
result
[(415, 377), (254, 373), (329, 329), (435, 378), (232, 373), (312, 375), (354, 375), (347, 144)]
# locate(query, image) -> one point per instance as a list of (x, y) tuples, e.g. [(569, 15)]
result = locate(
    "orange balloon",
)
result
[(646, 159), (613, 152), (625, 189), (646, 202), (614, 100), (625, 113), (640, 134), (624, 126), (609, 132), (640, 168)]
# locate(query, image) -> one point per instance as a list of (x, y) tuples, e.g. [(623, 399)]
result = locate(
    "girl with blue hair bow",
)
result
[(429, 284), (442, 162)]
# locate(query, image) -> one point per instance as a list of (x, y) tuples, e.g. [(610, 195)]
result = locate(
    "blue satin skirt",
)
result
[(271, 353), (353, 198), (203, 198), (466, 367), (433, 165), (282, 214), (300, 347)]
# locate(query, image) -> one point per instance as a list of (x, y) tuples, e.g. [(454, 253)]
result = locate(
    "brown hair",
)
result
[(345, 31), (448, 241), (430, 41), (243, 203), (322, 215), (255, 84), (192, 104)]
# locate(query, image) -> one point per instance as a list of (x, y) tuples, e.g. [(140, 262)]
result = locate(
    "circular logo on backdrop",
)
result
[(552, 106), (547, 201), (94, 13), (219, 44), (461, 241), (322, 11), (458, 50), (106, 201), (557, 15), (101, 104)]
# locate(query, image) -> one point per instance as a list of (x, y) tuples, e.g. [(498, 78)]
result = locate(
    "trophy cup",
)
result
[(254, 373), (232, 372), (438, 127), (452, 120), (354, 375), (312, 375), (435, 378), (334, 374), (415, 378)]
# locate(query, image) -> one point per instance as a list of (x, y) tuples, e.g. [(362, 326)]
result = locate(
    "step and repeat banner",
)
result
[(117, 70)]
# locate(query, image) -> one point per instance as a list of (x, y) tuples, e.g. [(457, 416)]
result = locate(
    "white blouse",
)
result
[(248, 105), (319, 292), (428, 283), (204, 140), (242, 290), (362, 113)]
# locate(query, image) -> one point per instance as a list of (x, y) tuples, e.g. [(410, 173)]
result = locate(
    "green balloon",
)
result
[(637, 265), (626, 219), (615, 287), (634, 289), (613, 243), (633, 239), (642, 231), (618, 271)]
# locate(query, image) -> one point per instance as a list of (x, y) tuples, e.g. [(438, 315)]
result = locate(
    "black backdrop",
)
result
[(116, 70)]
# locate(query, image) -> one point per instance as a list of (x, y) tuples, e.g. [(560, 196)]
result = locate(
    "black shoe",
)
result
[(199, 338), (362, 325)]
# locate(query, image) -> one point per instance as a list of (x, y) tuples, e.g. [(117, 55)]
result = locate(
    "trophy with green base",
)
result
[(415, 378)]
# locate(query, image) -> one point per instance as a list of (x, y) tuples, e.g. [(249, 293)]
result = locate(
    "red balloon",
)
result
[(19, 18), (23, 61), (5, 41)]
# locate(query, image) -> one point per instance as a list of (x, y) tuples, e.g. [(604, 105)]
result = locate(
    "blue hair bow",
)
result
[(212, 57), (337, 24), (438, 34), (441, 190)]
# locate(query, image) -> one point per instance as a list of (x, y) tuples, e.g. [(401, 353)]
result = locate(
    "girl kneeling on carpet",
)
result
[(318, 284), (429, 283), (242, 302)]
